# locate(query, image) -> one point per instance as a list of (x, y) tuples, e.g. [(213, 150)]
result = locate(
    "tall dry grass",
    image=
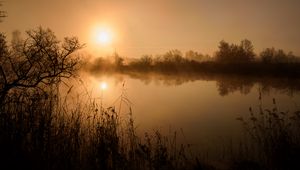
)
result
[(273, 138), (40, 130)]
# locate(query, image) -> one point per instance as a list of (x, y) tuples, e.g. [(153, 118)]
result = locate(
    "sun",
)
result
[(103, 85), (102, 36)]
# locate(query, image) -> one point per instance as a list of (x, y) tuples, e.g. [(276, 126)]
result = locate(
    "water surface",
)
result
[(204, 107)]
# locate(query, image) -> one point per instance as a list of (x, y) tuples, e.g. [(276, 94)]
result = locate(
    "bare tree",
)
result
[(37, 61)]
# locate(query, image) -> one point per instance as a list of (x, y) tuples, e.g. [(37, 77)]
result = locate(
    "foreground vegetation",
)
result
[(273, 138), (45, 131), (37, 132)]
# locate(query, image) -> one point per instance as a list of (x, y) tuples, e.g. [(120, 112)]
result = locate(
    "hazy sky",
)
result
[(156, 26)]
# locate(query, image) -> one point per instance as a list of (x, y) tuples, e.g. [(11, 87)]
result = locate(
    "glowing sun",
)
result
[(103, 37), (103, 85)]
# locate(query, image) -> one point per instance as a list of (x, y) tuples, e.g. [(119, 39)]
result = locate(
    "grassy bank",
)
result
[(42, 131)]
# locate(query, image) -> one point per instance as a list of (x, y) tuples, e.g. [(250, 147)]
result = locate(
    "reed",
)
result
[(273, 137), (42, 131)]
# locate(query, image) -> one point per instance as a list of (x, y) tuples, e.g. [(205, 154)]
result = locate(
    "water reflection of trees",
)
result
[(226, 84), (244, 85)]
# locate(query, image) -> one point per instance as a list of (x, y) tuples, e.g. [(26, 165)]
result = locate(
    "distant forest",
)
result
[(229, 58)]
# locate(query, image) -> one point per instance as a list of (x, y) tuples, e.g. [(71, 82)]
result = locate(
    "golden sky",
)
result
[(155, 26)]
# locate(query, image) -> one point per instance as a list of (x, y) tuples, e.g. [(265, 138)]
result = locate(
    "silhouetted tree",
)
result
[(247, 51), (280, 57), (271, 55), (118, 61), (267, 55), (173, 56), (146, 61), (195, 56), (232, 53), (224, 53), (292, 58), (36, 62), (143, 64)]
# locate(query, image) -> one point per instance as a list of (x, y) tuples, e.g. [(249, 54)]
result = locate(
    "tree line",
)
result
[(229, 58), (244, 53), (226, 53)]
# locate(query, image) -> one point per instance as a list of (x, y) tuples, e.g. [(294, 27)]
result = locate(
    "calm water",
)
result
[(205, 107)]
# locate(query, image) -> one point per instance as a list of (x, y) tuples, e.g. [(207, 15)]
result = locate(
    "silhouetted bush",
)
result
[(271, 55), (118, 61), (198, 57), (231, 53), (144, 63)]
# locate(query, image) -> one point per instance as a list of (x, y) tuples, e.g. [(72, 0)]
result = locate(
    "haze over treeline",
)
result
[(241, 56)]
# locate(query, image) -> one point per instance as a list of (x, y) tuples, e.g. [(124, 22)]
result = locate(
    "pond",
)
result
[(203, 109)]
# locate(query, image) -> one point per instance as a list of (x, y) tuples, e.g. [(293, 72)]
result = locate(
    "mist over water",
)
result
[(204, 107)]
